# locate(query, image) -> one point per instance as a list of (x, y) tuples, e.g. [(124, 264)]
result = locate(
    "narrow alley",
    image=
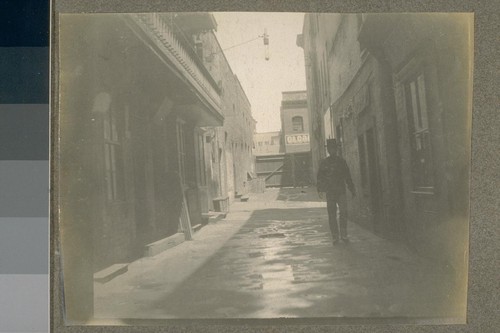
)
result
[(273, 257), (191, 143)]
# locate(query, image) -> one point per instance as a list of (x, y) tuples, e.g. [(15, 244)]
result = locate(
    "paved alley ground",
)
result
[(272, 257)]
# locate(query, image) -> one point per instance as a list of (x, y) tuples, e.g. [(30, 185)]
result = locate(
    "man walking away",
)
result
[(333, 176)]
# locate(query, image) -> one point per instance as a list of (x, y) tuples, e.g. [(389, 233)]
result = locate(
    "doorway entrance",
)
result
[(370, 173)]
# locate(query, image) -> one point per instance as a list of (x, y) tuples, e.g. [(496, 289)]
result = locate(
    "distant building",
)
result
[(284, 157), (269, 143), (295, 122), (296, 138)]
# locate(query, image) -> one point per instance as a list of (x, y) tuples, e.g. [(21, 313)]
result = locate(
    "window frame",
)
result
[(363, 163), (181, 149), (420, 135), (301, 124), (114, 167)]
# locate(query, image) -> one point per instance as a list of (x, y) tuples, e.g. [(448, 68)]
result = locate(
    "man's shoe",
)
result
[(345, 239)]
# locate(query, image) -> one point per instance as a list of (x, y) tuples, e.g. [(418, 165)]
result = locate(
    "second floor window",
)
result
[(297, 124)]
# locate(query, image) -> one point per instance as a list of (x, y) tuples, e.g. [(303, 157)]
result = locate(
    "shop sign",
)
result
[(297, 139)]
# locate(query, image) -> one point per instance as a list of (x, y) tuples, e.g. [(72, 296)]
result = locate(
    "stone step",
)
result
[(164, 244), (197, 227), (221, 204), (110, 272), (213, 217)]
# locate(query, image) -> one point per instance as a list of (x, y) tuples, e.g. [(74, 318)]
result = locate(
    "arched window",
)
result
[(297, 124)]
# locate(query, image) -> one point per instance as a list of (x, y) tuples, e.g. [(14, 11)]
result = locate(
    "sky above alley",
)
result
[(264, 81)]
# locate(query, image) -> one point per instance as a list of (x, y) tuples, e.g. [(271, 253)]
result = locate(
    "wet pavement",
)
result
[(272, 257)]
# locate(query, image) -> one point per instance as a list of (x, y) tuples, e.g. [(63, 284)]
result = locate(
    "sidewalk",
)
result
[(272, 257)]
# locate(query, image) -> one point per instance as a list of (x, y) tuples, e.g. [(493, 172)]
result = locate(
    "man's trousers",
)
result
[(331, 203)]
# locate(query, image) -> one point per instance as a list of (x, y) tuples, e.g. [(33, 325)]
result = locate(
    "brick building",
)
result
[(139, 118), (394, 90), (232, 144)]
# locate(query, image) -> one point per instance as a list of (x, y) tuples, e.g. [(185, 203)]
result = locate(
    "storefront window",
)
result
[(113, 157), (419, 131), (362, 160), (201, 160), (181, 150)]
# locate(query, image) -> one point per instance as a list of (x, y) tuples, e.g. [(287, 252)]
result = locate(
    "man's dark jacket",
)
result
[(333, 176)]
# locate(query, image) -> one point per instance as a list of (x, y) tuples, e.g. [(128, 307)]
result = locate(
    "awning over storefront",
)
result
[(200, 114)]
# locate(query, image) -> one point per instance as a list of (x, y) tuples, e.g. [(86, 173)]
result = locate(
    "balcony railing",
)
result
[(163, 36)]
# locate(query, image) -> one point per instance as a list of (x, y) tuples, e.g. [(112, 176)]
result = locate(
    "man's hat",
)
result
[(331, 143)]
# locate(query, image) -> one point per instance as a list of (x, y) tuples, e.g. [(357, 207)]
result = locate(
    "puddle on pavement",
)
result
[(276, 280), (255, 276), (273, 235), (255, 254)]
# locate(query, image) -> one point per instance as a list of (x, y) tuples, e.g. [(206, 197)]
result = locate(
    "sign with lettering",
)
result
[(297, 139)]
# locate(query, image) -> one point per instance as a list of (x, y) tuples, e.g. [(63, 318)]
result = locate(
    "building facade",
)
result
[(295, 127), (432, 89), (141, 132), (269, 152), (316, 39), (295, 122), (268, 143), (355, 109), (393, 90), (233, 141), (284, 158)]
